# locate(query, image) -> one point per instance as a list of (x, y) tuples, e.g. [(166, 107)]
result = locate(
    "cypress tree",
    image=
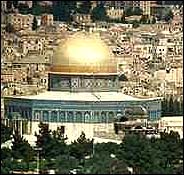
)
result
[(35, 24), (171, 106)]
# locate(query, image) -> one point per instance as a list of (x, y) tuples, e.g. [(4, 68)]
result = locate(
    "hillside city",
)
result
[(92, 87)]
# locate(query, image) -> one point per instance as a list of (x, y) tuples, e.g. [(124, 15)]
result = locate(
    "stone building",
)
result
[(148, 7), (83, 92), (82, 18), (19, 21), (114, 13), (173, 123), (47, 20)]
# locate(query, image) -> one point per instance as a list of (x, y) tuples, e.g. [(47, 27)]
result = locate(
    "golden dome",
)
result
[(82, 53)]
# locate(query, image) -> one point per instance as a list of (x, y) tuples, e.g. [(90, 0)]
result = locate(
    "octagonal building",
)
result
[(83, 92)]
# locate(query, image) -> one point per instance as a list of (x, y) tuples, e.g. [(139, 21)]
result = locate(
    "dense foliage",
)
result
[(35, 24), (143, 155), (99, 13), (6, 133), (129, 11), (62, 10), (21, 149), (165, 14)]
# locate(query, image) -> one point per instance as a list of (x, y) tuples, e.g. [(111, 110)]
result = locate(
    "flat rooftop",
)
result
[(83, 96)]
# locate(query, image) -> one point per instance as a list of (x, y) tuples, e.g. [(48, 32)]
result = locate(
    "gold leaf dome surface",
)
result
[(82, 52)]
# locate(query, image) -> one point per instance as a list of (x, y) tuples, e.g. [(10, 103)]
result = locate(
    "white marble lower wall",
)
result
[(72, 130)]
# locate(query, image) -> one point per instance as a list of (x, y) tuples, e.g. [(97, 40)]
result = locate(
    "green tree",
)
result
[(181, 113), (169, 16), (35, 24), (118, 167), (43, 138), (99, 13), (62, 10), (175, 107), (64, 164), (37, 9), (81, 147), (153, 20), (52, 143), (137, 11), (98, 164), (171, 106), (165, 14), (6, 133), (6, 164), (57, 144), (164, 106), (21, 149), (24, 9), (151, 156), (128, 11)]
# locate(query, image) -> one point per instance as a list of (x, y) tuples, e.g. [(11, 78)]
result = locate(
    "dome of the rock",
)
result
[(83, 52)]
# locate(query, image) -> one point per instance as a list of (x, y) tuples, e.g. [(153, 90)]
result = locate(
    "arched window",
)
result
[(37, 115), (96, 116), (62, 116), (70, 116), (103, 116), (79, 117), (45, 116), (87, 117), (53, 116)]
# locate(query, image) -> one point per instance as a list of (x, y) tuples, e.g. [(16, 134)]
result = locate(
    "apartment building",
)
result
[(47, 20), (114, 13), (19, 21), (82, 18), (31, 45), (174, 123), (148, 7)]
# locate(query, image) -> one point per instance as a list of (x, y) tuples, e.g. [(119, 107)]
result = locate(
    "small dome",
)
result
[(83, 52)]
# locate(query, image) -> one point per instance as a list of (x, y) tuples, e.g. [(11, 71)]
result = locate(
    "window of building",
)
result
[(54, 116), (45, 116), (79, 117), (37, 115), (87, 116), (62, 116), (103, 116), (70, 116)]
